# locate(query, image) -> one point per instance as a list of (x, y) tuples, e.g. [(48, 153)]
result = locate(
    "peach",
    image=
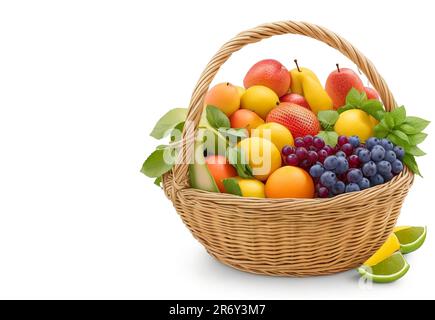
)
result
[(244, 118)]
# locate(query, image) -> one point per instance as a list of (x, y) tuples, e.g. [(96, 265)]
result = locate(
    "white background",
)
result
[(82, 84)]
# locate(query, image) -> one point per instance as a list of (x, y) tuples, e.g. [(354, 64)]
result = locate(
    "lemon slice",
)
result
[(410, 238), (388, 270), (388, 248)]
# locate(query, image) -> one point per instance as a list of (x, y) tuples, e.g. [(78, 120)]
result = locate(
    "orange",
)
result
[(244, 118), (289, 182), (224, 96)]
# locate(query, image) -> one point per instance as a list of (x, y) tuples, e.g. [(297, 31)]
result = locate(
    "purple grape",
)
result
[(318, 143), (329, 150), (323, 154), (323, 192), (308, 140), (342, 140), (354, 161), (312, 157), (347, 149), (299, 142), (286, 150), (312, 148), (305, 164), (301, 153), (292, 160)]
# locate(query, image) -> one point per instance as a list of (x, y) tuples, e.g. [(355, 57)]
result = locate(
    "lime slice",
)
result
[(399, 228), (411, 238), (389, 270)]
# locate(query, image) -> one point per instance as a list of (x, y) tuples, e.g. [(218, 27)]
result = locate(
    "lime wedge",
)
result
[(411, 238), (388, 270), (399, 228)]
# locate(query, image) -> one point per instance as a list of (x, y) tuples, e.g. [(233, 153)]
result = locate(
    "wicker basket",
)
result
[(287, 237)]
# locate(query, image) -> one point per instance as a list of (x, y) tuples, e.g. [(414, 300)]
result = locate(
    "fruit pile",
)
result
[(285, 135)]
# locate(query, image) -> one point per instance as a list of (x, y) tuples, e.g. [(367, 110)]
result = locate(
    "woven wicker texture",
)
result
[(288, 237)]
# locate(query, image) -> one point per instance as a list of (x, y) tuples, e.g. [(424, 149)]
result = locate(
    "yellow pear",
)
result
[(316, 96), (298, 75)]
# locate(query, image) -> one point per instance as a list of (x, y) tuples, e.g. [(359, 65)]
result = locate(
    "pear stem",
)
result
[(338, 67), (297, 65)]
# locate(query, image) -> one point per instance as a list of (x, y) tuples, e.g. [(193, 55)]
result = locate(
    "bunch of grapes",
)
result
[(349, 166)]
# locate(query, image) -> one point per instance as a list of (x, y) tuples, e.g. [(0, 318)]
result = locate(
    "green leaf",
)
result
[(415, 151), (408, 129), (389, 121), (177, 132), (155, 165), (345, 108), (381, 131), (403, 136), (354, 97), (168, 121), (232, 186), (158, 181), (328, 118), (234, 135), (415, 139), (216, 118), (397, 141), (399, 115), (418, 124), (237, 159), (373, 108), (411, 163), (330, 137)]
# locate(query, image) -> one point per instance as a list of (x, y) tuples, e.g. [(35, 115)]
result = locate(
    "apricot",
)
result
[(224, 96), (220, 169), (244, 118)]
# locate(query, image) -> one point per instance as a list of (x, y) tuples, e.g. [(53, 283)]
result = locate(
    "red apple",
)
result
[(371, 93), (339, 83), (296, 99)]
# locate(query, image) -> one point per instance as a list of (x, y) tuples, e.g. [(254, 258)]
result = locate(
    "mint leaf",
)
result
[(232, 186), (403, 136), (410, 162), (330, 137), (398, 141), (399, 115), (418, 124), (327, 118), (354, 97), (216, 118), (415, 139), (155, 165), (415, 151), (345, 108), (408, 129), (373, 108), (168, 121), (381, 131), (389, 121), (237, 159)]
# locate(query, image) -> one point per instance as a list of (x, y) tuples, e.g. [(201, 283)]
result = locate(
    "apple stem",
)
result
[(338, 67), (297, 65), (228, 83)]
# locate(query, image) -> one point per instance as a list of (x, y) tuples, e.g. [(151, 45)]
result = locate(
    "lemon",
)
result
[(388, 270), (259, 99), (388, 248), (241, 90), (262, 156), (251, 188), (355, 122), (410, 238), (275, 132)]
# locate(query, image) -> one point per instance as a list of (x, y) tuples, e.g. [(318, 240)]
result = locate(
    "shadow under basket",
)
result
[(287, 237)]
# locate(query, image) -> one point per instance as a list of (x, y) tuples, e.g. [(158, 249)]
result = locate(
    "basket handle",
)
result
[(180, 170)]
